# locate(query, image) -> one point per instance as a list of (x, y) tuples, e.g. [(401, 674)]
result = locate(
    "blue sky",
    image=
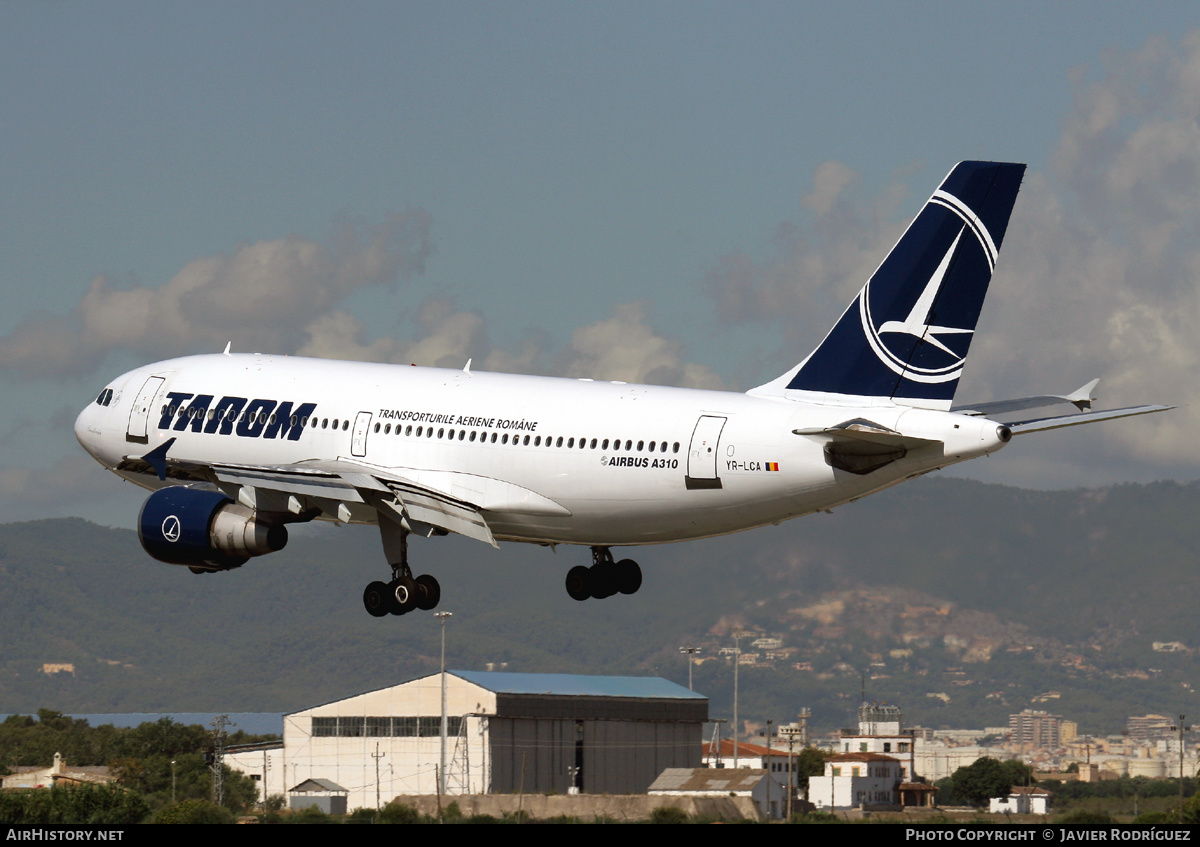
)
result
[(679, 192)]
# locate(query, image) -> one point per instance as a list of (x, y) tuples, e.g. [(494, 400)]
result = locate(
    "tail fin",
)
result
[(907, 333)]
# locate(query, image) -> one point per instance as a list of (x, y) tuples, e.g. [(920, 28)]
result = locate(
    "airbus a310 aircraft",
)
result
[(235, 447)]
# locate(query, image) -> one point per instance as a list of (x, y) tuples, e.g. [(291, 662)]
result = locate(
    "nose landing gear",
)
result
[(604, 578)]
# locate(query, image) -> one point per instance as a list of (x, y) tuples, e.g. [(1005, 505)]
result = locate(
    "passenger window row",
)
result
[(471, 435)]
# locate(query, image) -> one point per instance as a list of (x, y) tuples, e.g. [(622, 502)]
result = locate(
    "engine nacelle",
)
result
[(204, 529)]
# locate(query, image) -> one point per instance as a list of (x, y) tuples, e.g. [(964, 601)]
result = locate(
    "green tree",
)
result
[(986, 778), (809, 762)]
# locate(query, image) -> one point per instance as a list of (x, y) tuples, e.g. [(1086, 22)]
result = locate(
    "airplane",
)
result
[(235, 447)]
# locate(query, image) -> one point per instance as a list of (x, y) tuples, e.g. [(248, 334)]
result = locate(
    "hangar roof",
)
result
[(578, 685)]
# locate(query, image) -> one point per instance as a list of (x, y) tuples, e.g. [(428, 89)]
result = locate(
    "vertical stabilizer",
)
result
[(907, 333)]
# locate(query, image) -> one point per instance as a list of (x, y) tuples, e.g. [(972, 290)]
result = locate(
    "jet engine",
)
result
[(205, 529)]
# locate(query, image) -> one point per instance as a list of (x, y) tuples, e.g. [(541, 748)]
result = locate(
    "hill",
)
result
[(962, 602)]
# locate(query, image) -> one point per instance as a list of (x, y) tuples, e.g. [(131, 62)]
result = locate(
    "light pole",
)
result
[(737, 655), (442, 770), (690, 652), (1181, 729)]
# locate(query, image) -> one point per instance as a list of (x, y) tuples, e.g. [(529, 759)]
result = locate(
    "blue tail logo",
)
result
[(898, 358)]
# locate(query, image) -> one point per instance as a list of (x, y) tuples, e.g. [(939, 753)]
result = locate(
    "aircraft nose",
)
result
[(87, 431)]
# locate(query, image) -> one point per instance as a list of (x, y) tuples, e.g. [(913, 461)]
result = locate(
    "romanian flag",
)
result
[(772, 466)]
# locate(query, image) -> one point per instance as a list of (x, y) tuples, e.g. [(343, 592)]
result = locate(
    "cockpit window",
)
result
[(104, 397)]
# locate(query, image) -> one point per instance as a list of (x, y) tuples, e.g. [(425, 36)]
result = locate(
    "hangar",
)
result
[(507, 733)]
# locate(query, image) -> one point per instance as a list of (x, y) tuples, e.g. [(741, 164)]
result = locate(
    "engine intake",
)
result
[(205, 529)]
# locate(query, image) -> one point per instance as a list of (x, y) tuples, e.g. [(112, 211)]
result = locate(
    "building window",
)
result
[(385, 727)]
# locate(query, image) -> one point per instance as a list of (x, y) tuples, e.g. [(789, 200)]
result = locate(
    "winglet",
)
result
[(467, 366), (1082, 397), (228, 344), (158, 458)]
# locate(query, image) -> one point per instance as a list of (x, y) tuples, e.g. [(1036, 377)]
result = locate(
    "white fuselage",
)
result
[(544, 459)]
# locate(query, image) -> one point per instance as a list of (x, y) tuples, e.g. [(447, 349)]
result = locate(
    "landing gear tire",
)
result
[(579, 582), (404, 595), (429, 592), (629, 576), (604, 580), (377, 599)]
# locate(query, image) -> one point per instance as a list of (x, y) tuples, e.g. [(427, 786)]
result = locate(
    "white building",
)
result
[(768, 794), (507, 732), (880, 730), (776, 762), (853, 780), (1022, 800)]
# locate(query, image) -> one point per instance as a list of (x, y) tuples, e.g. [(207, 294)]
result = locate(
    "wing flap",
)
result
[(410, 507)]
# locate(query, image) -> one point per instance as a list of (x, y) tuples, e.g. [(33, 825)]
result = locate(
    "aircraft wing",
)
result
[(424, 502), (1081, 399), (1042, 424)]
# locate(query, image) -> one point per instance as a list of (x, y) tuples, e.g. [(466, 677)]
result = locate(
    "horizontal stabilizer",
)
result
[(1081, 399), (1042, 424)]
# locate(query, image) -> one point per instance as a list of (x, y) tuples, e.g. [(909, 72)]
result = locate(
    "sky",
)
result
[(683, 193)]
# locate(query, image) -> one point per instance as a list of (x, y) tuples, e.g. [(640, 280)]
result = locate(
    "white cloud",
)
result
[(263, 296), (624, 347)]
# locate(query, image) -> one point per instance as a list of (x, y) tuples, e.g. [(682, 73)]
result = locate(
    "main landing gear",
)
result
[(404, 593), (604, 578)]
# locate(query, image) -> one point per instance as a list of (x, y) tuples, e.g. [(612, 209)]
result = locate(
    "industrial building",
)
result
[(507, 733)]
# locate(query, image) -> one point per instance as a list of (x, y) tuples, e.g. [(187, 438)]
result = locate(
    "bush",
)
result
[(668, 814), (193, 812), (1085, 816), (79, 804), (397, 812)]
